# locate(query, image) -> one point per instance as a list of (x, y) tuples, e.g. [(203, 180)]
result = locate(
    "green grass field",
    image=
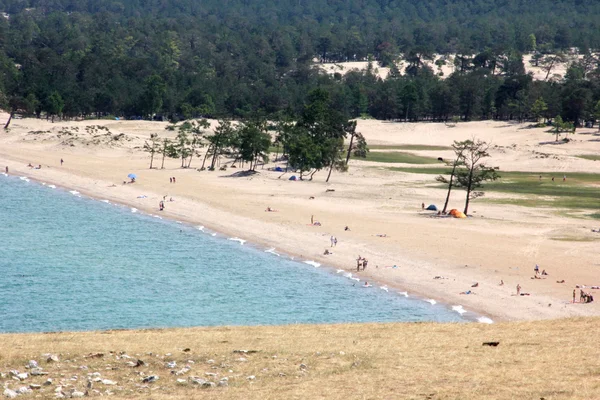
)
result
[(414, 147), (592, 157), (579, 191), (398, 157)]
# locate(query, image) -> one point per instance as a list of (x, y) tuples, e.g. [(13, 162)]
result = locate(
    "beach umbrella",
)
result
[(132, 176)]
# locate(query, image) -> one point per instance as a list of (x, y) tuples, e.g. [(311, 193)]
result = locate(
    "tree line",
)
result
[(190, 59)]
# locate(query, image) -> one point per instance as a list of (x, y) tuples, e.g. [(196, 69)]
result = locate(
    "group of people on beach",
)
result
[(361, 262), (172, 179), (583, 296)]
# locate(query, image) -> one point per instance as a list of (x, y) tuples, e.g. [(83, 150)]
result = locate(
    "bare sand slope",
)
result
[(499, 242)]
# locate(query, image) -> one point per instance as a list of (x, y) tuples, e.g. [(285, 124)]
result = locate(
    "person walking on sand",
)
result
[(334, 241), (365, 261), (358, 263), (170, 180), (422, 206), (574, 295), (312, 218), (61, 162), (331, 240), (174, 180), (518, 289)]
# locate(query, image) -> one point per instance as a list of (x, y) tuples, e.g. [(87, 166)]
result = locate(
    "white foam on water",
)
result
[(105, 201), (339, 271), (431, 301), (405, 294), (367, 286), (200, 228), (213, 234), (134, 210), (24, 178), (272, 251), (156, 216), (459, 309), (235, 239), (44, 183), (179, 222), (5, 174), (74, 192), (313, 263), (52, 186), (484, 320), (384, 288)]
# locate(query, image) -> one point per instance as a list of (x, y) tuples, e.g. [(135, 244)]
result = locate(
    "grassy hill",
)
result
[(533, 360)]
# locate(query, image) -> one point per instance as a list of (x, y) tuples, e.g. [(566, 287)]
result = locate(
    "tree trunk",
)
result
[(205, 156), (349, 149), (214, 159), (10, 117), (450, 184), (469, 190), (329, 174), (162, 165), (151, 158)]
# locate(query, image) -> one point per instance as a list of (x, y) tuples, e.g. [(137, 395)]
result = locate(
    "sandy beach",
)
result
[(500, 242)]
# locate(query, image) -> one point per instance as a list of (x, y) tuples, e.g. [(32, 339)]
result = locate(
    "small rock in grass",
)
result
[(24, 390), (38, 372), (34, 386), (251, 378), (223, 383), (77, 394), (108, 382), (210, 374), (197, 380), (23, 376), (181, 381), (11, 394), (150, 379), (52, 358), (208, 384), (171, 364), (48, 382), (32, 364)]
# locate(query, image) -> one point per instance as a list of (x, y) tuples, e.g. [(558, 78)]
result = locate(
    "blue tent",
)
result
[(293, 178), (278, 169), (432, 207)]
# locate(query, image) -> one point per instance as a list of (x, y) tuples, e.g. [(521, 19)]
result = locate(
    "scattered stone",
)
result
[(140, 363), (23, 376), (131, 364), (210, 374), (246, 351), (197, 380), (181, 381), (108, 382), (282, 374), (77, 394), (13, 372), (187, 349), (33, 386), (492, 344), (38, 372), (32, 364), (303, 366), (48, 382), (95, 375), (242, 359), (24, 390), (223, 383), (52, 358), (150, 379), (94, 355), (342, 353), (11, 394), (251, 378), (171, 364), (182, 371), (208, 384), (210, 361)]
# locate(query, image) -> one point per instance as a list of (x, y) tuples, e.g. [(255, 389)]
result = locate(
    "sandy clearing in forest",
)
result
[(499, 242)]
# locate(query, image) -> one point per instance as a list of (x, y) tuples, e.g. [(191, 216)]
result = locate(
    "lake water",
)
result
[(73, 263)]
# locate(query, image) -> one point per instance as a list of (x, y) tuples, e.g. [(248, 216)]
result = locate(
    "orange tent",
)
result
[(453, 212), (459, 214)]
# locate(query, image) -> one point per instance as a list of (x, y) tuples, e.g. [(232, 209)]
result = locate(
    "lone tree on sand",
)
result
[(475, 172), (459, 150)]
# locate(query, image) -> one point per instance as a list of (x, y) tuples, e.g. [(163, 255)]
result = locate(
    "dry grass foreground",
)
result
[(552, 359)]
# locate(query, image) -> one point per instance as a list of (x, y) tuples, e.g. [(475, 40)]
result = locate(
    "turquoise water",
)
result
[(74, 263)]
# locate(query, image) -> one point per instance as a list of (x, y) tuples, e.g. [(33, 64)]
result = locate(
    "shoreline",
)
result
[(436, 258), (468, 315)]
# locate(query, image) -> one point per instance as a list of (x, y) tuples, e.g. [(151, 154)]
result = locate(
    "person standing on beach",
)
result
[(312, 217), (574, 295), (6, 169), (518, 289), (170, 180), (331, 241), (61, 162), (365, 261), (334, 241), (174, 180)]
